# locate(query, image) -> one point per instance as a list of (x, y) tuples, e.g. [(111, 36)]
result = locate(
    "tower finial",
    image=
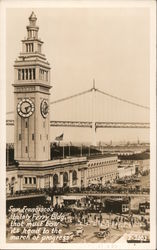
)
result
[(32, 29), (32, 16), (32, 19), (93, 83)]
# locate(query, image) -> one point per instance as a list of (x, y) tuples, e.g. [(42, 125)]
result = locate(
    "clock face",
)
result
[(25, 108), (44, 108)]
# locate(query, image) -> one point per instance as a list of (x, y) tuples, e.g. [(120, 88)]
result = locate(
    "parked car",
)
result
[(70, 235), (79, 231), (100, 234)]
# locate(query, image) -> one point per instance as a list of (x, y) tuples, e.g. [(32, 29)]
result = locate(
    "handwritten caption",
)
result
[(40, 224)]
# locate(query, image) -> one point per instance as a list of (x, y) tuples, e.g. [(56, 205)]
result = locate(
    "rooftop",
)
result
[(100, 156)]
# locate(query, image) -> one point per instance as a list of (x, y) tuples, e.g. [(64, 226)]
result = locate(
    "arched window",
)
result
[(74, 177), (12, 180), (65, 178), (55, 179)]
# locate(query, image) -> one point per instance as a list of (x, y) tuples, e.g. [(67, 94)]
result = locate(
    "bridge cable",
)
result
[(70, 97), (123, 100)]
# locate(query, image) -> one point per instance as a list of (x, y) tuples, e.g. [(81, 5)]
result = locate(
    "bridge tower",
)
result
[(93, 114), (31, 99)]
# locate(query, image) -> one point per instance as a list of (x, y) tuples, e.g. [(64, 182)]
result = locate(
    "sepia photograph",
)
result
[(78, 147)]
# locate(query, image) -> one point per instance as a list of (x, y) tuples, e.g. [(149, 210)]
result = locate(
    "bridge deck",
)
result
[(89, 124)]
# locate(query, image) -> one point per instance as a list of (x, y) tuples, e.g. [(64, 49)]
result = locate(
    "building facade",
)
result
[(57, 173), (69, 172), (102, 169)]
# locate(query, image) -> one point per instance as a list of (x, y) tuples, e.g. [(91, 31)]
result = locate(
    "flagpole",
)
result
[(89, 151), (81, 150), (69, 149), (101, 150), (63, 151)]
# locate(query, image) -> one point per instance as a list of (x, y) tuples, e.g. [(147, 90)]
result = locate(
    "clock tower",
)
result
[(31, 93)]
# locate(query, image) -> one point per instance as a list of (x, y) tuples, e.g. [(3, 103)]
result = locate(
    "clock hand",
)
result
[(26, 108)]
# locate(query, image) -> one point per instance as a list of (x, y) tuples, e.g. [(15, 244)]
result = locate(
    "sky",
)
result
[(111, 45)]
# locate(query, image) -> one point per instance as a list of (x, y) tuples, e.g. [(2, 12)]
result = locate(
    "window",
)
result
[(26, 149), (19, 74), (26, 74), (40, 137), (23, 74), (30, 180), (74, 177), (19, 137), (30, 74), (34, 180), (32, 137), (44, 148), (55, 179), (43, 75), (26, 180), (34, 74), (26, 124)]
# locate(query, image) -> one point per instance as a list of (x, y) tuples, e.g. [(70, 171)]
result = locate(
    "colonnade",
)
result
[(29, 47), (26, 74), (101, 170), (30, 74), (32, 34), (43, 75), (71, 178)]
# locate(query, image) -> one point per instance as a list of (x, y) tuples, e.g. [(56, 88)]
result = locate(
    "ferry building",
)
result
[(34, 168)]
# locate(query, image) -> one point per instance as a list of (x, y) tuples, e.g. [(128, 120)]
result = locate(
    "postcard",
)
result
[(78, 124)]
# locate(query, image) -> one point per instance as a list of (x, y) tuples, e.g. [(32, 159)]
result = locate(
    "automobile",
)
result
[(74, 233), (70, 235), (105, 229), (100, 234), (79, 231)]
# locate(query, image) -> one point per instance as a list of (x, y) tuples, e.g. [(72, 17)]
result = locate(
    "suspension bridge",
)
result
[(96, 109)]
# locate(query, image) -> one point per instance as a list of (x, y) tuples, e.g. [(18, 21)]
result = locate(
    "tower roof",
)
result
[(32, 21), (32, 16)]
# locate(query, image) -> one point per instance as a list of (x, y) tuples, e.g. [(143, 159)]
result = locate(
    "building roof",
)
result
[(101, 156)]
